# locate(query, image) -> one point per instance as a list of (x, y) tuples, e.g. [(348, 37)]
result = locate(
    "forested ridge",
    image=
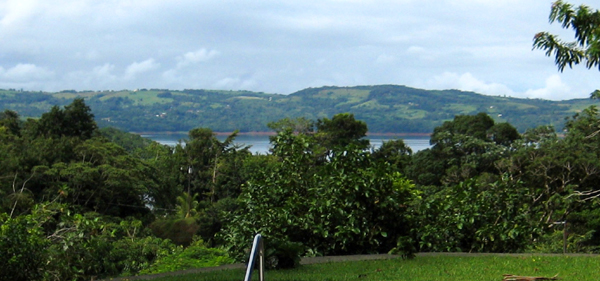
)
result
[(79, 202), (386, 108)]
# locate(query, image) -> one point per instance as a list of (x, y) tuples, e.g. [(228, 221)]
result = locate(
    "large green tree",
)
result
[(341, 130), (347, 204), (75, 120), (462, 148)]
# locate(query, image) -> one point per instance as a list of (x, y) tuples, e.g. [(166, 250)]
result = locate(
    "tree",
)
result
[(350, 203), (342, 130), (212, 167), (75, 120), (480, 214), (79, 119), (23, 249), (476, 126), (503, 133), (394, 152), (299, 125), (462, 148), (105, 179), (10, 120), (586, 47)]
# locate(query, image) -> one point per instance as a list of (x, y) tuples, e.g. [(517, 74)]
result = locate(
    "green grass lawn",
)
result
[(438, 268)]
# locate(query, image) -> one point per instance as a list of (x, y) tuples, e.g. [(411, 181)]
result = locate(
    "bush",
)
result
[(281, 254), (23, 250), (130, 256), (553, 242), (180, 231), (197, 255)]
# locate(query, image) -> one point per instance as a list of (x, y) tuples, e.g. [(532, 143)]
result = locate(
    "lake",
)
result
[(260, 143)]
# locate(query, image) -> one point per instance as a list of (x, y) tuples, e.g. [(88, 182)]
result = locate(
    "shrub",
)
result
[(130, 256), (281, 254), (180, 231), (553, 242), (23, 250), (197, 255)]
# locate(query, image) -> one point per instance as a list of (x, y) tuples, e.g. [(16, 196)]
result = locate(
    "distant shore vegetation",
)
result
[(388, 109)]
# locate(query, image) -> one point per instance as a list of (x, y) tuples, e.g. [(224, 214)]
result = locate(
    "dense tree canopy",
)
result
[(78, 203), (75, 120)]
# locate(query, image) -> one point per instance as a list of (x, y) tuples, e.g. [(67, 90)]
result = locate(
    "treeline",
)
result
[(78, 202), (386, 108)]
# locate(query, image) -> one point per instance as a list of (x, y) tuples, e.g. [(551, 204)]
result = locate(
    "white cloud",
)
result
[(198, 56), (468, 82), (140, 67), (227, 82), (15, 12), (555, 89), (171, 76), (100, 77), (235, 83), (24, 72), (104, 71)]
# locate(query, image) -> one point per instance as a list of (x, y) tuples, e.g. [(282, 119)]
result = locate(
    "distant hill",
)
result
[(385, 108)]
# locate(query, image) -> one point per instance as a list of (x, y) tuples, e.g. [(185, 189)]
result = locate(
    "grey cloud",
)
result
[(282, 46), (24, 73), (140, 67)]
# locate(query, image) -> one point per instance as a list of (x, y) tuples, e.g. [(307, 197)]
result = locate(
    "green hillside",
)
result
[(385, 108)]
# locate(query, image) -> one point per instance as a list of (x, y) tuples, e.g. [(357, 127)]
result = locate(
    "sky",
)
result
[(285, 46)]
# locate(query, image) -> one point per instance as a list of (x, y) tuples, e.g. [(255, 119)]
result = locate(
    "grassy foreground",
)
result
[(472, 268)]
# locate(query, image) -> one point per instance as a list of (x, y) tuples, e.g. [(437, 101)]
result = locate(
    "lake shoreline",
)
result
[(261, 142), (273, 133)]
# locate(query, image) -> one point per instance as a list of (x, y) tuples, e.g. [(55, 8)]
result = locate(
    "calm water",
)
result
[(260, 144)]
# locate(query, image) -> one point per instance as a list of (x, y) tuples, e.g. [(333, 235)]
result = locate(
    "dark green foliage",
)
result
[(472, 125), (105, 179), (10, 120), (426, 169), (23, 249), (130, 142), (95, 187), (385, 108), (300, 125), (166, 173), (53, 243), (133, 256), (340, 131), (78, 204), (76, 120), (282, 254), (462, 148), (503, 134), (197, 255), (213, 217), (180, 231), (209, 167), (394, 152), (347, 204), (478, 215)]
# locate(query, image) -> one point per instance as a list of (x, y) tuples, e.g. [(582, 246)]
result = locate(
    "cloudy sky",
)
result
[(284, 46)]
